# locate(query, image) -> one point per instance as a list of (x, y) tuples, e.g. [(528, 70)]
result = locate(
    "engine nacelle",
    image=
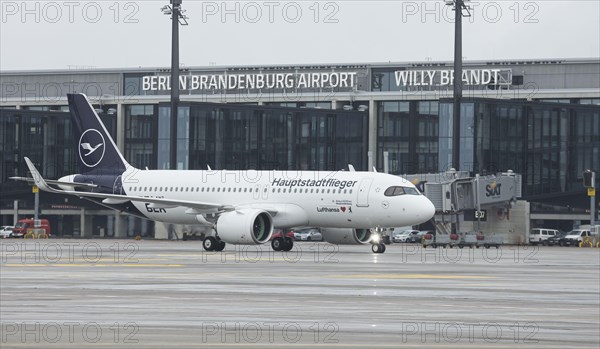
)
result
[(245, 227), (346, 236)]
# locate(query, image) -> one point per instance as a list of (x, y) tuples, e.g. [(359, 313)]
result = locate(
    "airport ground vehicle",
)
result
[(438, 240), (490, 241), (6, 231), (25, 225), (540, 235), (574, 237)]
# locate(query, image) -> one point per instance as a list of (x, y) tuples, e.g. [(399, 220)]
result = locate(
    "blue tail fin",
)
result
[(96, 153)]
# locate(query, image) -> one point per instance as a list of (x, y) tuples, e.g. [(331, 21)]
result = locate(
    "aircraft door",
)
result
[(363, 192), (265, 192), (256, 191)]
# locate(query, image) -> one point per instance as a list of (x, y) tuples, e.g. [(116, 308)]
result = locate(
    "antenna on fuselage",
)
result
[(351, 168), (207, 165), (374, 169)]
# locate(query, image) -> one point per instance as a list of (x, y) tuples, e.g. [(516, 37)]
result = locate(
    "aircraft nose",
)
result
[(428, 208), (424, 209)]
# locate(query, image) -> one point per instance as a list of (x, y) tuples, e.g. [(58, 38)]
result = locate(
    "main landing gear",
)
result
[(282, 244), (212, 243)]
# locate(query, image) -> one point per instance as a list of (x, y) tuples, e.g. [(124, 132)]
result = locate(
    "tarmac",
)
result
[(158, 294)]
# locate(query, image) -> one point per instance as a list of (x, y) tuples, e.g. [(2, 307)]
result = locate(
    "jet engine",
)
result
[(245, 227), (346, 236)]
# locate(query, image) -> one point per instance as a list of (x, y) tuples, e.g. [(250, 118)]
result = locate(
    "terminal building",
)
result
[(537, 118)]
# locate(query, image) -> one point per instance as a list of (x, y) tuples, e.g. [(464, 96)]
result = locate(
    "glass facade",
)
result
[(140, 135), (407, 133), (44, 137), (240, 137), (550, 144)]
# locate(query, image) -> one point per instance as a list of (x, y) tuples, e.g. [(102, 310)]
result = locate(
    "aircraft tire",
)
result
[(288, 244), (209, 243), (375, 248), (378, 248), (220, 246), (277, 244)]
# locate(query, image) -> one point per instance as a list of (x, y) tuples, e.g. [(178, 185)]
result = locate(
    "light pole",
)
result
[(459, 6), (589, 181), (177, 17)]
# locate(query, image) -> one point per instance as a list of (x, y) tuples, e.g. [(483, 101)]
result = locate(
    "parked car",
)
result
[(557, 239), (404, 235), (6, 231), (312, 234), (574, 237), (419, 237), (540, 235)]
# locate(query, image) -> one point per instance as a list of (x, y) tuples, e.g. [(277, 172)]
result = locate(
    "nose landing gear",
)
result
[(377, 245)]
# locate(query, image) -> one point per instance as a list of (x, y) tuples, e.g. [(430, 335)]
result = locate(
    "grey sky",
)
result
[(58, 34)]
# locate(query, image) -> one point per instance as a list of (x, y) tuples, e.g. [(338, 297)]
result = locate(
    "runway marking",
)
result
[(411, 276), (91, 265)]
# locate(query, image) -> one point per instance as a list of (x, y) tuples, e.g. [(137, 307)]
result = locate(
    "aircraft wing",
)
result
[(112, 198)]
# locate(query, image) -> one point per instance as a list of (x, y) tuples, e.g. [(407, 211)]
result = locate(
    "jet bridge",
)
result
[(481, 203)]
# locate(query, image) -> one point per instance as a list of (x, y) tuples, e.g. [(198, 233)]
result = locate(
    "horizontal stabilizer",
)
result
[(53, 182)]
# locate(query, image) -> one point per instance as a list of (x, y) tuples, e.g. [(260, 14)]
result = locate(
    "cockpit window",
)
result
[(396, 191)]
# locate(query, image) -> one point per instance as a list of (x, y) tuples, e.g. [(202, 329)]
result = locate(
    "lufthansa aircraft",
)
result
[(243, 207)]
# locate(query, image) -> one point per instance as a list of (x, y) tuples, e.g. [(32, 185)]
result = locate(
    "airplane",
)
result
[(242, 207)]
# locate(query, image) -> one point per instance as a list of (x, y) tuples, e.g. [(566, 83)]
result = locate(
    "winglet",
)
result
[(37, 177), (351, 168)]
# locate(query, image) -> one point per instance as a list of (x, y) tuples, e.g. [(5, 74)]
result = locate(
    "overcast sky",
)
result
[(124, 34)]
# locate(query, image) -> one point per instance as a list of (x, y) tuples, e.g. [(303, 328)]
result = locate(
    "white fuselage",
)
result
[(344, 199)]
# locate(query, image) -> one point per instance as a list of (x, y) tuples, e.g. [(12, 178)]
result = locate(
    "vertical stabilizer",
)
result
[(96, 150)]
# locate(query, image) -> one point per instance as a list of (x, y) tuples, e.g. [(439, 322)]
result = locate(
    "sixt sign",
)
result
[(493, 189), (497, 189)]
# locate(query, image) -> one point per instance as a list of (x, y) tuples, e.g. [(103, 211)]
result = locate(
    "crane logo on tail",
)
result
[(91, 148)]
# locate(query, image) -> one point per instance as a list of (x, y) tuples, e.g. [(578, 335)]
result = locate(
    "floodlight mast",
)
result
[(459, 6), (177, 18)]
